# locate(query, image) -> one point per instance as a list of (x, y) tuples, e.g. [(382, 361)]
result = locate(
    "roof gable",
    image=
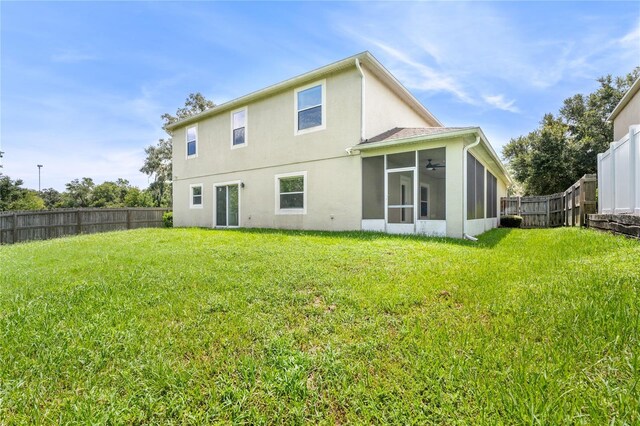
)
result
[(365, 58)]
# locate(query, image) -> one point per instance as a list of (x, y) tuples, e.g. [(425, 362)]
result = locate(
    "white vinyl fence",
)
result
[(619, 175)]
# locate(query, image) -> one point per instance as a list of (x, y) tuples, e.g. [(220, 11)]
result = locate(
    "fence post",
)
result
[(582, 200), (612, 148), (129, 218), (14, 232), (79, 222), (548, 217), (633, 171)]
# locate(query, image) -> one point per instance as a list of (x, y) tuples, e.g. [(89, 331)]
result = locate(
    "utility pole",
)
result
[(39, 167)]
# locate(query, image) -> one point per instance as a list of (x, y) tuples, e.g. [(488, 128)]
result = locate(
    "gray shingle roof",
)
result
[(411, 132)]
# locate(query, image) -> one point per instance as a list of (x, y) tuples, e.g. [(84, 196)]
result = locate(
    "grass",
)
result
[(200, 326)]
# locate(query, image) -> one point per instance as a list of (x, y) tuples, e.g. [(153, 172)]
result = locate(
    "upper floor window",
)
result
[(239, 128), (310, 108), (192, 142)]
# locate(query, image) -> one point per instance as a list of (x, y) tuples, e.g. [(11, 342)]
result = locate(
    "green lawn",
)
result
[(201, 326)]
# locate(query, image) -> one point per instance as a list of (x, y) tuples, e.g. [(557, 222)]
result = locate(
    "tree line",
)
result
[(565, 146), (82, 193), (79, 193)]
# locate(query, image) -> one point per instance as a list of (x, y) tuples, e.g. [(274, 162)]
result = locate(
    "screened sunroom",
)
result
[(431, 181), (405, 192)]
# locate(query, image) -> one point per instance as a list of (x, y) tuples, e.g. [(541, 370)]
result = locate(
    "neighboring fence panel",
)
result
[(619, 175), (43, 225), (567, 208), (556, 210), (534, 212)]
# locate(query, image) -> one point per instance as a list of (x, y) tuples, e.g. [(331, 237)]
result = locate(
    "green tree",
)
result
[(79, 193), (157, 164), (110, 194), (138, 198), (51, 197), (30, 200), (10, 191), (565, 147)]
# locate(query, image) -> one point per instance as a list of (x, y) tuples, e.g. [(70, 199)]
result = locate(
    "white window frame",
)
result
[(246, 122), (186, 139), (323, 124), (280, 211), (196, 206)]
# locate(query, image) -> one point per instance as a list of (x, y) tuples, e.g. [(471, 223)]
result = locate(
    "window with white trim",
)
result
[(195, 201), (192, 142), (239, 128), (310, 108), (291, 193)]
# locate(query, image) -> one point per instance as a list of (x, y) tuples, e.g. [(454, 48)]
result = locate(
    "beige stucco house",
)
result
[(343, 147)]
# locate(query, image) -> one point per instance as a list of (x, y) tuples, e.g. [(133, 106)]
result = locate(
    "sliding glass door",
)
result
[(227, 205)]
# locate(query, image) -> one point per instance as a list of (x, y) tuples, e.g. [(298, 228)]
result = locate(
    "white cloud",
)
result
[(632, 39), (500, 102), (416, 75), (471, 49)]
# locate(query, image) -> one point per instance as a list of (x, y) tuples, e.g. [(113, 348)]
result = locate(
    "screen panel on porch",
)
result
[(475, 188), (432, 196), (373, 187), (400, 187)]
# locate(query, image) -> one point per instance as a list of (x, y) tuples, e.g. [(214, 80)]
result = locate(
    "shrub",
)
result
[(167, 219), (511, 221)]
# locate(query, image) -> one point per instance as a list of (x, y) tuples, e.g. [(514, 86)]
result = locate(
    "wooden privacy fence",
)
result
[(17, 227), (568, 208)]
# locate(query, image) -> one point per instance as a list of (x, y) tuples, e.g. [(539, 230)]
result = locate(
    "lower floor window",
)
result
[(196, 196), (291, 193)]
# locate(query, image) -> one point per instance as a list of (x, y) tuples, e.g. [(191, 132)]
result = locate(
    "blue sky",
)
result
[(83, 84)]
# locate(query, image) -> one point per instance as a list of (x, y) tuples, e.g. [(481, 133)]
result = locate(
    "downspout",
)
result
[(464, 191), (362, 133)]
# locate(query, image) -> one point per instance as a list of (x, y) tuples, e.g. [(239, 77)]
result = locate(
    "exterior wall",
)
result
[(384, 110), (273, 148), (456, 176), (629, 116), (333, 197)]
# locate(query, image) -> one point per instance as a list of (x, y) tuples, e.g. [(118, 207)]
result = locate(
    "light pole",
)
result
[(39, 167)]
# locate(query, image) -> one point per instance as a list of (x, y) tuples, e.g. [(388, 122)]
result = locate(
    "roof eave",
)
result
[(625, 100), (414, 139), (365, 57), (472, 131), (274, 88)]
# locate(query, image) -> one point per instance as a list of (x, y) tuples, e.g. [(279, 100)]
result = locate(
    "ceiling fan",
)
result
[(431, 166)]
